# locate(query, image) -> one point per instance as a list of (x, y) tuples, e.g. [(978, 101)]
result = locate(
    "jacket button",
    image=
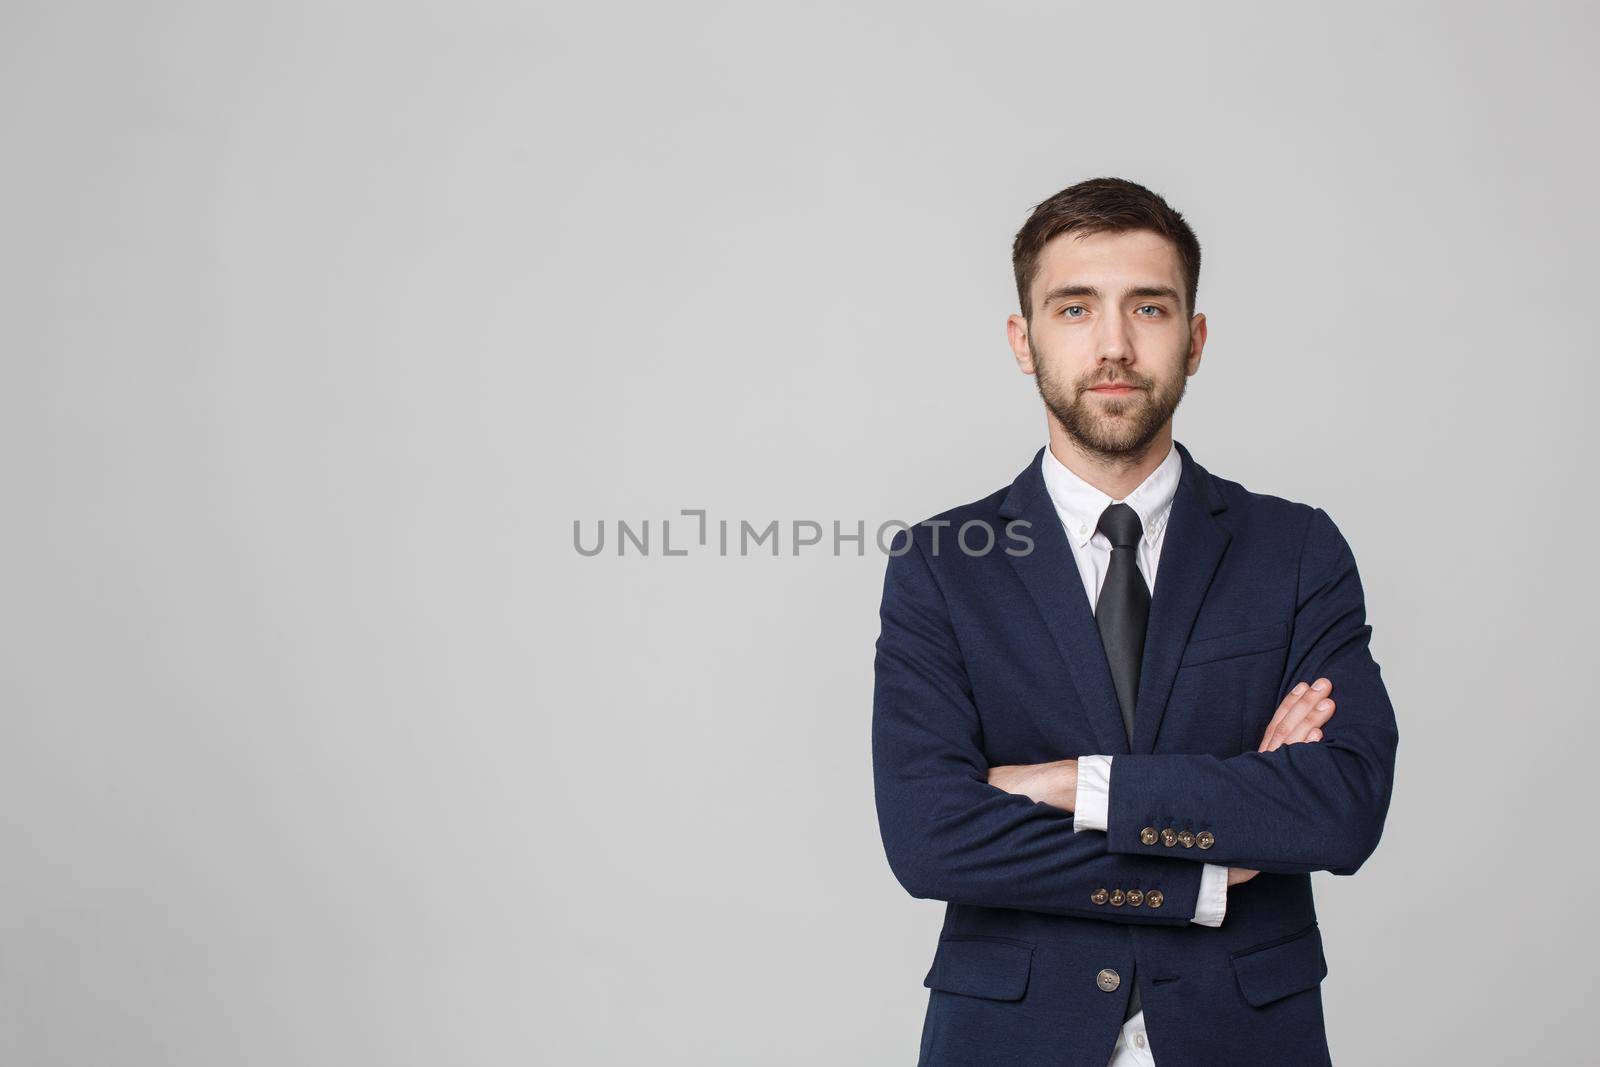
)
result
[(1186, 838), (1116, 898), (1099, 896), (1108, 979), (1154, 898), (1135, 897), (1205, 839), (1148, 835), (1169, 837)]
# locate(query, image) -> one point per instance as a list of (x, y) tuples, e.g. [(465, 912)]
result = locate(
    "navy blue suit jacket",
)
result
[(989, 658)]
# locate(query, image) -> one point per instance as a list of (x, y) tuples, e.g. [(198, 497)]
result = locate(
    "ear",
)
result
[(1197, 343), (1021, 347)]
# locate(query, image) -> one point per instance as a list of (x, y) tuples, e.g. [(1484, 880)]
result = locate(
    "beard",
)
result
[(1117, 426)]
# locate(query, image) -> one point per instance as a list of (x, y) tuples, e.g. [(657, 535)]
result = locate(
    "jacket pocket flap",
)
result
[(1288, 965), (1242, 643), (980, 967)]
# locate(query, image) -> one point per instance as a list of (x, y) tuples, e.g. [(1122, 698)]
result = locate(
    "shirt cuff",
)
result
[(1213, 902), (1092, 803)]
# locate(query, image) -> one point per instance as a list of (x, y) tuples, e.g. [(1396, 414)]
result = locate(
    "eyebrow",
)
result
[(1063, 292)]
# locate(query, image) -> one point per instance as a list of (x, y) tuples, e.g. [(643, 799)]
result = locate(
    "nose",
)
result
[(1112, 341)]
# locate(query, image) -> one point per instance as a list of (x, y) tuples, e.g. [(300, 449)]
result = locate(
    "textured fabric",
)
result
[(992, 658)]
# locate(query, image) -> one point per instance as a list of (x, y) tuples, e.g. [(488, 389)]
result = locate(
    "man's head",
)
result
[(1107, 275)]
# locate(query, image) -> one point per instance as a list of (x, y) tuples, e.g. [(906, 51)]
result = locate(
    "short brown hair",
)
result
[(1101, 205)]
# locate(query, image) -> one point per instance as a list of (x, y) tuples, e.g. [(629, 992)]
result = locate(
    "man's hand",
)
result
[(1300, 717), (1054, 783)]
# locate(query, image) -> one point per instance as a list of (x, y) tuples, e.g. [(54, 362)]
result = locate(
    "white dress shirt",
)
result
[(1079, 506)]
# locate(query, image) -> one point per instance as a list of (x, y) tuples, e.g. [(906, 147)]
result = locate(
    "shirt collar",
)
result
[(1080, 504)]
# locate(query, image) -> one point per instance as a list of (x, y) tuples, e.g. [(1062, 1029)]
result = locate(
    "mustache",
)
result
[(1133, 383)]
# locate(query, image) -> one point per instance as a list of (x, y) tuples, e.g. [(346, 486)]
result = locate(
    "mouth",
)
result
[(1114, 389)]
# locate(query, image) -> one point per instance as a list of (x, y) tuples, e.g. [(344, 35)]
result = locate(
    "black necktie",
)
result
[(1123, 607), (1121, 612)]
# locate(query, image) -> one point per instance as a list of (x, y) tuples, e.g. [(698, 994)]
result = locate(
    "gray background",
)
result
[(323, 324)]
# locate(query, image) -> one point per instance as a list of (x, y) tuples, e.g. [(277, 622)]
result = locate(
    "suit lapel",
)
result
[(1050, 574), (1190, 551)]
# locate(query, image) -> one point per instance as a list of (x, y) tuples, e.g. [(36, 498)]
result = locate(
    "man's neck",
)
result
[(1116, 476)]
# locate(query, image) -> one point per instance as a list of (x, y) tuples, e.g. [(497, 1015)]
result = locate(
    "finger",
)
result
[(1313, 720), (1310, 699), (1283, 709), (1314, 735), (1319, 715), (1278, 714), (1288, 712), (1316, 717), (1289, 729)]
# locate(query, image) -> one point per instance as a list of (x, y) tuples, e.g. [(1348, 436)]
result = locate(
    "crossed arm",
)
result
[(950, 833), (1298, 719)]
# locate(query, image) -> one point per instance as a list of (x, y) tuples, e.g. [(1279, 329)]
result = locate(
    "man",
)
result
[(1104, 723)]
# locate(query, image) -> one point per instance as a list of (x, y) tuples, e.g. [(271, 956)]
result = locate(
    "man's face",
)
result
[(1110, 343)]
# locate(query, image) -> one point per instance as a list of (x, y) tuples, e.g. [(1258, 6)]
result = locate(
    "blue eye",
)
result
[(1074, 307), (1151, 307)]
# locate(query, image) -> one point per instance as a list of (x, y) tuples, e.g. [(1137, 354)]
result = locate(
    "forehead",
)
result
[(1108, 261)]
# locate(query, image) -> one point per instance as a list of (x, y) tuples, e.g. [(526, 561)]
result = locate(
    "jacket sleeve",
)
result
[(1089, 806), (949, 835), (1299, 808)]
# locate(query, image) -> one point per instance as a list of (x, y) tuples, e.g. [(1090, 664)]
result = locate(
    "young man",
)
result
[(1109, 740)]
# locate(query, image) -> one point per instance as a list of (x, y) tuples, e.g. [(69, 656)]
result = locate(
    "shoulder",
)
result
[(1248, 509), (1316, 540), (973, 522)]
